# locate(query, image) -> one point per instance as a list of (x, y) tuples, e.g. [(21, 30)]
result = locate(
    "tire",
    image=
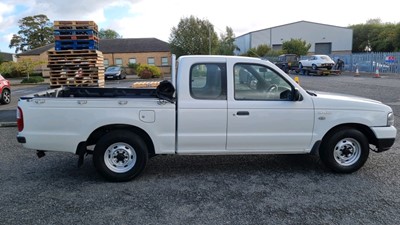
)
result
[(314, 67), (344, 151), (285, 69), (5, 96), (120, 155)]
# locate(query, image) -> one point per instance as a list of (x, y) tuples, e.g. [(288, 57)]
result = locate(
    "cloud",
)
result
[(155, 18)]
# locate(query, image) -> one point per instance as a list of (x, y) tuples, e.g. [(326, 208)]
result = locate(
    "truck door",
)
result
[(262, 116), (202, 109)]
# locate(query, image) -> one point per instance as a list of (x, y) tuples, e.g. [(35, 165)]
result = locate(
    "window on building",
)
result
[(276, 47), (150, 60), (164, 61), (132, 61), (106, 63), (118, 62)]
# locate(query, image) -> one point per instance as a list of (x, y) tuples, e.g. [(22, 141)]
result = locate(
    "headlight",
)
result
[(390, 119)]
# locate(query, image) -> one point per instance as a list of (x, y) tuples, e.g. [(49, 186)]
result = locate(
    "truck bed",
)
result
[(93, 92)]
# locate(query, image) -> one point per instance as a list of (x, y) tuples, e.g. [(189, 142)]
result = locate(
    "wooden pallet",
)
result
[(75, 32), (73, 52), (76, 68), (76, 37), (75, 25), (74, 22)]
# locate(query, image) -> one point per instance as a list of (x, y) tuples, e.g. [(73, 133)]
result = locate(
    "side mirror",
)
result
[(296, 95)]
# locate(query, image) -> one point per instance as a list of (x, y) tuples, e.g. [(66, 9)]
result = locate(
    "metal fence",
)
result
[(386, 62)]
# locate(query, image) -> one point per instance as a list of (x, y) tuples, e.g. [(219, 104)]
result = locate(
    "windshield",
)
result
[(115, 68)]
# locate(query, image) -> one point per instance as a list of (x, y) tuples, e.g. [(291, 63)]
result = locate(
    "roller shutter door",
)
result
[(323, 48)]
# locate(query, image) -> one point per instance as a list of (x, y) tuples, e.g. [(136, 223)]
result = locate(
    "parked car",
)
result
[(288, 62), (5, 90), (317, 61), (115, 72)]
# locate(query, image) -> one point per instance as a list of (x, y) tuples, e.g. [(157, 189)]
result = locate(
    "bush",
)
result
[(32, 79), (132, 68), (148, 71), (9, 70)]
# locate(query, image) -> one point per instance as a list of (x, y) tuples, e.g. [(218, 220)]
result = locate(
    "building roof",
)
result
[(6, 57), (301, 21), (122, 45), (133, 45)]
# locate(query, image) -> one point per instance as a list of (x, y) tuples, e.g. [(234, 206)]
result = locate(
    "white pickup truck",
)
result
[(213, 105)]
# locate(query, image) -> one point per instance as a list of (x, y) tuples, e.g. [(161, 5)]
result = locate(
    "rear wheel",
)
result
[(344, 151), (5, 96), (120, 155)]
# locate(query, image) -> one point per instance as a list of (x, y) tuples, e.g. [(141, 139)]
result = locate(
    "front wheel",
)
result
[(314, 67), (5, 97), (344, 151), (120, 155)]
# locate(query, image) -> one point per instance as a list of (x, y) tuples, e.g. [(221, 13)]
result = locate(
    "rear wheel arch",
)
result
[(95, 136)]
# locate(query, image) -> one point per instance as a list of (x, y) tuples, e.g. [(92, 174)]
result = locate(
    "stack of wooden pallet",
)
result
[(76, 68), (76, 60), (75, 35)]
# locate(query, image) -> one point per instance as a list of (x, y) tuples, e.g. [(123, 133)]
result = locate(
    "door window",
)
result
[(257, 82)]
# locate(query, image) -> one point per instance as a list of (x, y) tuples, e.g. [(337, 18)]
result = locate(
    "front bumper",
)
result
[(385, 137), (384, 144)]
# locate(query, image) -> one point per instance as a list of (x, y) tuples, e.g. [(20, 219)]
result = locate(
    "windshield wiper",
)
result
[(311, 93)]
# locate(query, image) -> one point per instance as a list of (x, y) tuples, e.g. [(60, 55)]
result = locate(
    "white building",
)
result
[(324, 39)]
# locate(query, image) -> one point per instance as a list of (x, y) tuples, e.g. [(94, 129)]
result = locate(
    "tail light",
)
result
[(20, 119)]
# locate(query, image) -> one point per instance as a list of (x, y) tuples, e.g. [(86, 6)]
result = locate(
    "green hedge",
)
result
[(32, 79), (148, 71)]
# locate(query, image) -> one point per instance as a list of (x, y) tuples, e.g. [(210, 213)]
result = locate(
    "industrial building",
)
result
[(324, 39)]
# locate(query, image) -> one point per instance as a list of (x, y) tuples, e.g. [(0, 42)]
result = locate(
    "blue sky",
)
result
[(155, 18)]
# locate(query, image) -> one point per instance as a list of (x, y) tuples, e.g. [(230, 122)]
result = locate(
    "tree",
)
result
[(226, 45), (259, 51), (193, 36), (35, 31), (376, 36), (108, 34), (296, 46), (27, 66)]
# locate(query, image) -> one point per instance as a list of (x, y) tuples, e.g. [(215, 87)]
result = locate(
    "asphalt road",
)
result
[(267, 189)]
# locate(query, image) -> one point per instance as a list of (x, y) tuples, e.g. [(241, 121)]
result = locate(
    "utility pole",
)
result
[(209, 40)]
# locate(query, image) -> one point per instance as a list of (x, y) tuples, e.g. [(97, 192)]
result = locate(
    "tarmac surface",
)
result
[(237, 189)]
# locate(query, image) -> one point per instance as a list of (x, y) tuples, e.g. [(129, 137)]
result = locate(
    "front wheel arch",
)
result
[(362, 128)]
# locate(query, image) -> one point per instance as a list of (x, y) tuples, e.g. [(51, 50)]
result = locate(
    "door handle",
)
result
[(243, 113)]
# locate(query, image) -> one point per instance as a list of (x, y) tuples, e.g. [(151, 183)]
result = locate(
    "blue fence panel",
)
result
[(385, 62)]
